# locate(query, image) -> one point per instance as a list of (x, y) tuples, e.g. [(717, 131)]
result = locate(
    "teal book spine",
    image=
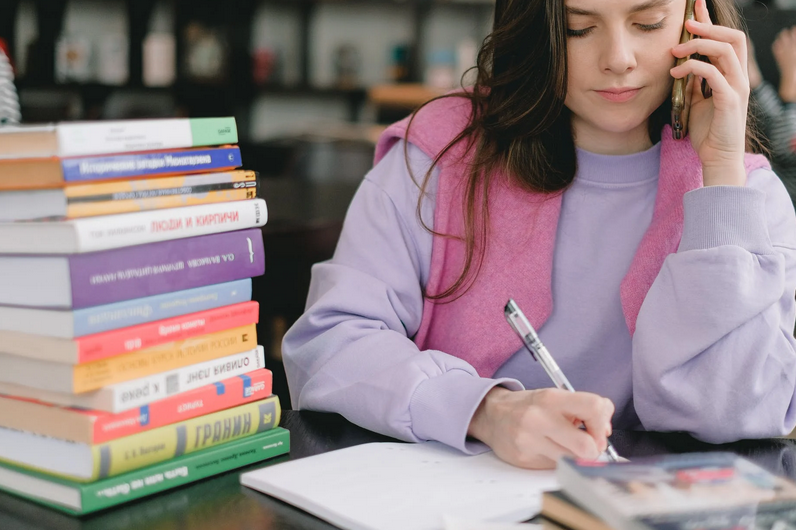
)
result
[(102, 494)]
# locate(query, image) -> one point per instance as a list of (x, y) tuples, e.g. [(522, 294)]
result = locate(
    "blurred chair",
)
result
[(9, 99)]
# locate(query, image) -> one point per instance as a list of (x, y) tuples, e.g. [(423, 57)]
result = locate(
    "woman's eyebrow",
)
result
[(644, 6)]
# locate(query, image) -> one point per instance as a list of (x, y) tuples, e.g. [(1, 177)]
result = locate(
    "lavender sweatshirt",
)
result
[(713, 353)]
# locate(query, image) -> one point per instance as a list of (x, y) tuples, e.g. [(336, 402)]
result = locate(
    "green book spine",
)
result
[(213, 131), (109, 492)]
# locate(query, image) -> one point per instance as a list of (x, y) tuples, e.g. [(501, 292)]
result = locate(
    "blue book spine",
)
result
[(151, 308), (157, 163)]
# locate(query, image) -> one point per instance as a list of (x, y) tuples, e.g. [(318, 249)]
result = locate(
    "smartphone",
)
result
[(681, 90)]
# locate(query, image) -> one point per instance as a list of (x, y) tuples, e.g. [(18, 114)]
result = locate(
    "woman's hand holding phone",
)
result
[(717, 125)]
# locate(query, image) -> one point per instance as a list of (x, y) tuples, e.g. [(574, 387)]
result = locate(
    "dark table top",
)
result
[(222, 503)]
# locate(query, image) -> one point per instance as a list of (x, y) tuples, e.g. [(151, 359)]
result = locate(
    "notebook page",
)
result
[(396, 486)]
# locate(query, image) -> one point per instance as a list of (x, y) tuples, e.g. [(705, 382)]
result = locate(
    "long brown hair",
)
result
[(518, 122)]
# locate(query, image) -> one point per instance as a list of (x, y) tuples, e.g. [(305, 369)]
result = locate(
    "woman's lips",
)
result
[(619, 95)]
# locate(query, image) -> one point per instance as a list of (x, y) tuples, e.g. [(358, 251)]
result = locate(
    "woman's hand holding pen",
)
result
[(717, 124), (533, 428)]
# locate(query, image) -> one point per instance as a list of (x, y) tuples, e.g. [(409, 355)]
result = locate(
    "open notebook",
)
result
[(386, 486)]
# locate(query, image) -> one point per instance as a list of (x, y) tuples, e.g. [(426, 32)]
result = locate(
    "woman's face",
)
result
[(619, 57)]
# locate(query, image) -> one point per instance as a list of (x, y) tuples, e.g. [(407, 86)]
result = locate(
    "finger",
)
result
[(721, 54), (720, 85), (578, 405), (701, 12), (572, 440), (709, 31), (592, 410)]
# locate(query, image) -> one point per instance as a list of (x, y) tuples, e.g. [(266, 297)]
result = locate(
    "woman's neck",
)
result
[(604, 142)]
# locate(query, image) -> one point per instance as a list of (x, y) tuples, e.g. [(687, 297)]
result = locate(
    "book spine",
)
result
[(135, 272), (134, 394), (201, 401), (148, 448), (107, 317), (170, 356), (139, 392), (96, 426), (123, 230), (150, 187), (209, 131), (134, 485), (113, 491), (126, 340), (101, 137), (142, 164), (93, 209)]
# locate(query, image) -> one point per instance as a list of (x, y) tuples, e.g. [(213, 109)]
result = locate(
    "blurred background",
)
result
[(311, 84)]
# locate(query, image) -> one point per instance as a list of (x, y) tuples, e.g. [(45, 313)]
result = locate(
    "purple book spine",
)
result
[(146, 270)]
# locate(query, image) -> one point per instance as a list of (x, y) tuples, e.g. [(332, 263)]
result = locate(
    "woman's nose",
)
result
[(618, 56)]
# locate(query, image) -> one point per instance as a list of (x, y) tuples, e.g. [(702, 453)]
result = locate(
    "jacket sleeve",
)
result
[(768, 103), (713, 351), (351, 352), (779, 124)]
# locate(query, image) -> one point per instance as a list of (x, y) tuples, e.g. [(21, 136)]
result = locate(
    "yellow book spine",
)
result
[(169, 356), (148, 448), (160, 183), (91, 209)]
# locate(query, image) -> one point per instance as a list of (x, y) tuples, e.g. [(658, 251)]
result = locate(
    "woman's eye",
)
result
[(650, 27), (578, 32)]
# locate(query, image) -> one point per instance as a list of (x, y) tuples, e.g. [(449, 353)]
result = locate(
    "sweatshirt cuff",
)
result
[(442, 407), (725, 215)]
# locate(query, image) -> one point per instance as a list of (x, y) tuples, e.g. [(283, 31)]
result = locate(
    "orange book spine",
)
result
[(184, 406), (92, 209), (97, 374), (127, 340)]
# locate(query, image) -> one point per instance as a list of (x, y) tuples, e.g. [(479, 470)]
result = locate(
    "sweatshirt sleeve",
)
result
[(351, 352), (713, 351)]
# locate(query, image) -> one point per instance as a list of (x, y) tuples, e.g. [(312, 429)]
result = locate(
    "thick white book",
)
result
[(395, 486), (91, 234), (119, 136), (139, 392)]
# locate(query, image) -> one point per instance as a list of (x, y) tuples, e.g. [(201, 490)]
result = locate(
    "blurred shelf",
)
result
[(309, 90), (403, 95), (465, 3), (186, 86)]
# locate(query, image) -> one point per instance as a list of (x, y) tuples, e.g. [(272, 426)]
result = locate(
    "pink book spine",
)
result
[(134, 338), (184, 406)]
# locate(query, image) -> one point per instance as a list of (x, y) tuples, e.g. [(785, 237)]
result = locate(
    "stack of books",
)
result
[(129, 361), (691, 491)]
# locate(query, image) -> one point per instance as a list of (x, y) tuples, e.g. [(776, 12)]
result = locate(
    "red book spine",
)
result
[(184, 406), (134, 338)]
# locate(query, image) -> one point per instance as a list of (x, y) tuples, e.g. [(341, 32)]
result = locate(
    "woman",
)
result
[(659, 273)]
